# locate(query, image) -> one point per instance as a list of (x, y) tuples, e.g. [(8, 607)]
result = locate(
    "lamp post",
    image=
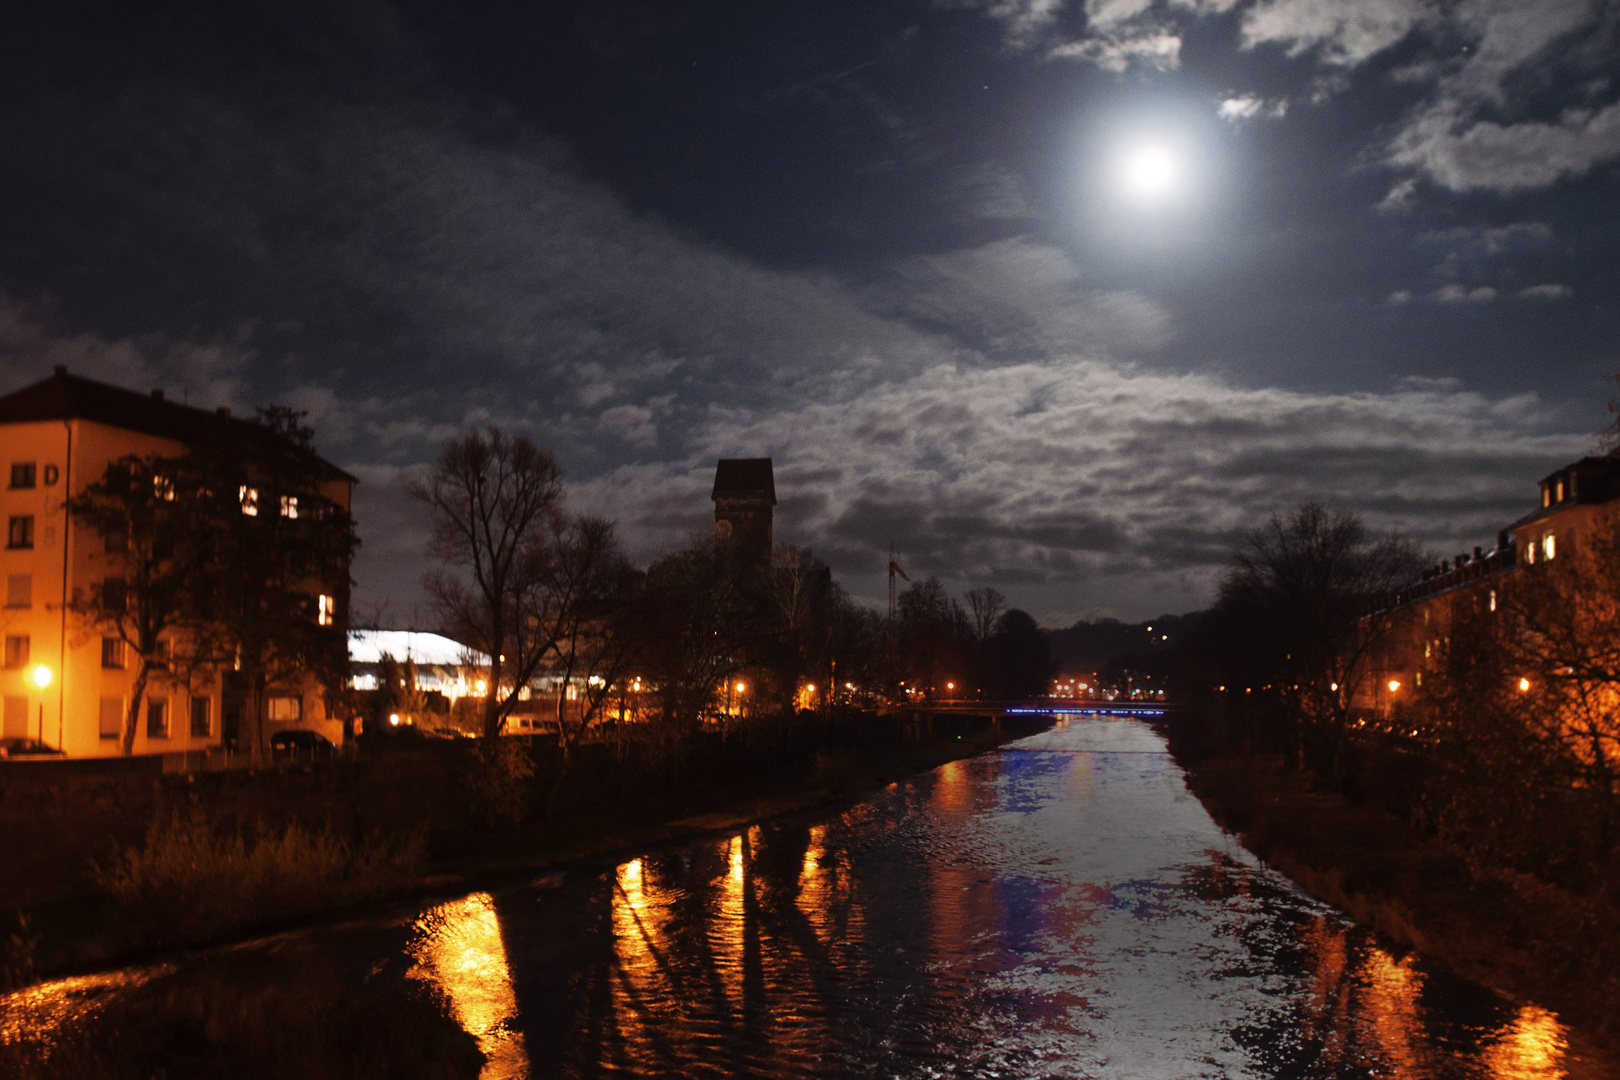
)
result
[(41, 676)]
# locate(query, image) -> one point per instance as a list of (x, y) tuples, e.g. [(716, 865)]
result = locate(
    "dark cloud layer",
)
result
[(879, 245)]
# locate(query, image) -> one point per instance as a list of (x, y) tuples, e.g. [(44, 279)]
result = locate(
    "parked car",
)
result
[(18, 747), (301, 744)]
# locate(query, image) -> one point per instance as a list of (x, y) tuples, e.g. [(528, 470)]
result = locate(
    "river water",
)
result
[(1062, 907)]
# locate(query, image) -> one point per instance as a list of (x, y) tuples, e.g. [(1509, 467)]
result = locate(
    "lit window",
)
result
[(163, 488), (1493, 599), (289, 506), (1549, 546), (1558, 494), (249, 497), (326, 610), (286, 708), (1546, 497)]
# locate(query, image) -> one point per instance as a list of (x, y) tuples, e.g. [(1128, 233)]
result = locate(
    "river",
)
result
[(1061, 907)]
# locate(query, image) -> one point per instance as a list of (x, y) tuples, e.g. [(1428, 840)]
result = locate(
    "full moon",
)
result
[(1149, 173)]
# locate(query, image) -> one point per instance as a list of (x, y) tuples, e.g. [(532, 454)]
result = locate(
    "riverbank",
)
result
[(82, 929), (1515, 934)]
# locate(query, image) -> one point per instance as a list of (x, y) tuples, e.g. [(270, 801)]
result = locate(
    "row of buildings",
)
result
[(67, 682), (1570, 503)]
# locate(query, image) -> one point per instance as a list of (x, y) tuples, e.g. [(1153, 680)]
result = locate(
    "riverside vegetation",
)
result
[(1477, 818)]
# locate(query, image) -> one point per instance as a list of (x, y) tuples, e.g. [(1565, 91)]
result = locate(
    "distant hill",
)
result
[(1090, 646)]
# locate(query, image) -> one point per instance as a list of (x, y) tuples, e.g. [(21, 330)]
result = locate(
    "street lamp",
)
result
[(41, 677)]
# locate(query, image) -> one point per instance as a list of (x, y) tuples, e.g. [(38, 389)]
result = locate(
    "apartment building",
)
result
[(64, 682)]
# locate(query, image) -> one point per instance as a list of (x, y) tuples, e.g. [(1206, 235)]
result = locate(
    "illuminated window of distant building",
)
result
[(202, 717), (112, 717), (289, 506), (19, 590), (1558, 493), (1493, 599), (286, 708), (1549, 546), (16, 651), (1530, 552), (326, 610), (22, 474), (249, 497), (112, 653), (157, 718), (1546, 497), (20, 533), (163, 488)]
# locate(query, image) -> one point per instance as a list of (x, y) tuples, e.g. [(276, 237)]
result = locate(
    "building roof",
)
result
[(1589, 481), (745, 478), (368, 646), (71, 397)]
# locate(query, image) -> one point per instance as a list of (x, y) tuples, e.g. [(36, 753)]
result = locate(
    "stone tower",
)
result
[(744, 493)]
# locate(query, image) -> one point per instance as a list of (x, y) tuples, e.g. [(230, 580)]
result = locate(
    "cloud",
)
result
[(1160, 51), (1247, 108), (1461, 294), (1478, 130), (1461, 153), (632, 423), (1063, 478), (1490, 240), (1342, 32), (33, 341), (1546, 292)]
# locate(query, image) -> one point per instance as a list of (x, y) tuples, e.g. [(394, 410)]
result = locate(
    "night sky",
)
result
[(1056, 296)]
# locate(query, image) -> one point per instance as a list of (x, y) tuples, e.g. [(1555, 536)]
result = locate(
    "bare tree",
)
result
[(495, 499), (583, 588), (987, 606), (146, 515), (1561, 637), (1312, 595)]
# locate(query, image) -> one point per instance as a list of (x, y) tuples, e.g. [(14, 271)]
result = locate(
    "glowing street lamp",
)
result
[(1524, 685), (41, 676), (1394, 685)]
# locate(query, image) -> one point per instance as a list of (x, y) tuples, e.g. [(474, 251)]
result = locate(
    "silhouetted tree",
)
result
[(146, 512)]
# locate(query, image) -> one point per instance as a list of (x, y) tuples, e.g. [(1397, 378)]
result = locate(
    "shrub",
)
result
[(497, 784), (189, 882)]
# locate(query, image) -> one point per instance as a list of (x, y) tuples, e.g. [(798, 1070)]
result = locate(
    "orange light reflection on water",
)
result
[(1531, 1046), (460, 950)]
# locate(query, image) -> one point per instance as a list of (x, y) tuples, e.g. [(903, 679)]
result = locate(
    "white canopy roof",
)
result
[(368, 646)]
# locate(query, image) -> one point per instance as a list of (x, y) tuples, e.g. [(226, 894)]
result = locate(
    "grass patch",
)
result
[(189, 883)]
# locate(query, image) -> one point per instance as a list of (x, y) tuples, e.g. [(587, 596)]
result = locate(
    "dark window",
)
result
[(157, 718), (51, 475), (112, 653), (19, 590), (116, 542), (114, 595), (202, 719), (16, 650), (21, 532), (22, 474)]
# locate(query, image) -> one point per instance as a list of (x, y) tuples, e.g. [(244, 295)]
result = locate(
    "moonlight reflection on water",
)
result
[(1062, 907)]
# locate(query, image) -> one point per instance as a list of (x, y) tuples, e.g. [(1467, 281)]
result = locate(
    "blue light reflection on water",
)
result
[(1062, 907)]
